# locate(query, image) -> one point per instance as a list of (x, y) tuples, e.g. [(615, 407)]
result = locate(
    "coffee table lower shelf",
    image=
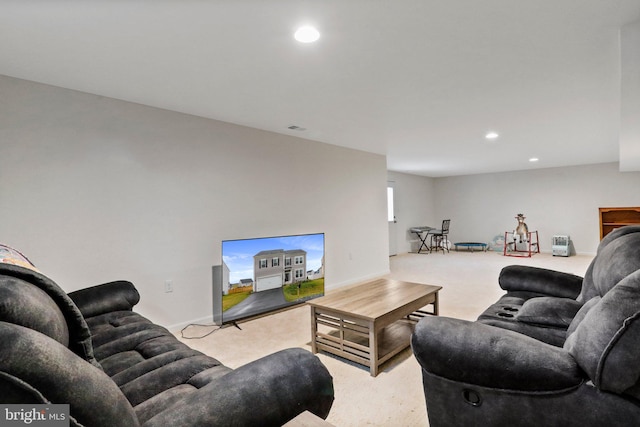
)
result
[(351, 338)]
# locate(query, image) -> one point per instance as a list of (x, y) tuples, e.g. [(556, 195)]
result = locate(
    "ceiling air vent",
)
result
[(298, 128)]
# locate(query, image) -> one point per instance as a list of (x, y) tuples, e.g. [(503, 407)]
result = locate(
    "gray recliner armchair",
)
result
[(504, 371), (115, 368)]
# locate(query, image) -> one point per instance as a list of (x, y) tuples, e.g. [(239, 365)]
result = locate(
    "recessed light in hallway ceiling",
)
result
[(306, 34)]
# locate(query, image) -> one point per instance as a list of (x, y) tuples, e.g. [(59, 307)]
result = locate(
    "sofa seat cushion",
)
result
[(147, 361), (133, 341), (165, 377), (160, 402), (115, 327), (136, 363), (548, 334), (504, 314)]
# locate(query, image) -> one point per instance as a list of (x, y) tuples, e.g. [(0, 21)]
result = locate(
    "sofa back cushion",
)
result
[(618, 256), (25, 304), (37, 369), (605, 337), (32, 300)]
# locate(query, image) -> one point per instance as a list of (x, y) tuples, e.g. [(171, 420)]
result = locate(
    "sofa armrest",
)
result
[(113, 296), (267, 392), (483, 355), (540, 280), (549, 311)]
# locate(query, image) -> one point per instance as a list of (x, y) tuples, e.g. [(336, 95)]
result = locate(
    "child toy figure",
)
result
[(521, 233)]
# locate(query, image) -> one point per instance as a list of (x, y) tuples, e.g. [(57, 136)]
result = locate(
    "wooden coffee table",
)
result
[(371, 322)]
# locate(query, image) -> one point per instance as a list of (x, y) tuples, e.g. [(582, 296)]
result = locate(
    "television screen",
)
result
[(265, 274)]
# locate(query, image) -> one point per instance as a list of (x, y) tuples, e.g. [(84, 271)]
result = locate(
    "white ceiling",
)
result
[(420, 81)]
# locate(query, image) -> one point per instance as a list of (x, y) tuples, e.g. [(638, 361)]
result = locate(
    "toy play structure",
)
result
[(521, 242)]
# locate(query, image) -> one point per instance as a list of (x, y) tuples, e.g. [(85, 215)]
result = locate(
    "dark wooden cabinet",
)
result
[(612, 218)]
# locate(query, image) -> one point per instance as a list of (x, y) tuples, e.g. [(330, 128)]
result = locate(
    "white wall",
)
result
[(414, 198), (94, 189), (630, 97), (554, 200)]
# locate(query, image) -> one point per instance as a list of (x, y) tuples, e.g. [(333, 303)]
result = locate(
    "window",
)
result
[(287, 262), (275, 262), (391, 217), (299, 273), (263, 263), (298, 260)]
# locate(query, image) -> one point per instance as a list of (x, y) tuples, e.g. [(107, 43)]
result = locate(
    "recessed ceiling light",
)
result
[(306, 34), (533, 159), (491, 135)]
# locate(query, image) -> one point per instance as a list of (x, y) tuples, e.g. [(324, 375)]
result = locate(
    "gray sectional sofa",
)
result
[(114, 367)]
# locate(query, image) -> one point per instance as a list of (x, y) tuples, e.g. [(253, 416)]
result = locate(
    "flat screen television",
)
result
[(260, 275)]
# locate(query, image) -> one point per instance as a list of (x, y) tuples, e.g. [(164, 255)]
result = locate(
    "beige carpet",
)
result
[(395, 396)]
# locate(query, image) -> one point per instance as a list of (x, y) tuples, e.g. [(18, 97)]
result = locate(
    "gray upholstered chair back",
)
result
[(25, 304), (30, 299), (604, 336), (618, 256)]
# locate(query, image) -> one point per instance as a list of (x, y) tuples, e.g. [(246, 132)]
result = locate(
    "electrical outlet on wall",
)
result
[(168, 285)]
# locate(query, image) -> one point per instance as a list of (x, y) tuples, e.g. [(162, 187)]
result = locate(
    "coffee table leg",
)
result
[(314, 330), (373, 349)]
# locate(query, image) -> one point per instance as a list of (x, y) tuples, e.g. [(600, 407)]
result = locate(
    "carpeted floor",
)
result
[(395, 396)]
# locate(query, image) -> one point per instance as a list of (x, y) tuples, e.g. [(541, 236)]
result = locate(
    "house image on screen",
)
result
[(316, 274), (225, 279), (275, 268)]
